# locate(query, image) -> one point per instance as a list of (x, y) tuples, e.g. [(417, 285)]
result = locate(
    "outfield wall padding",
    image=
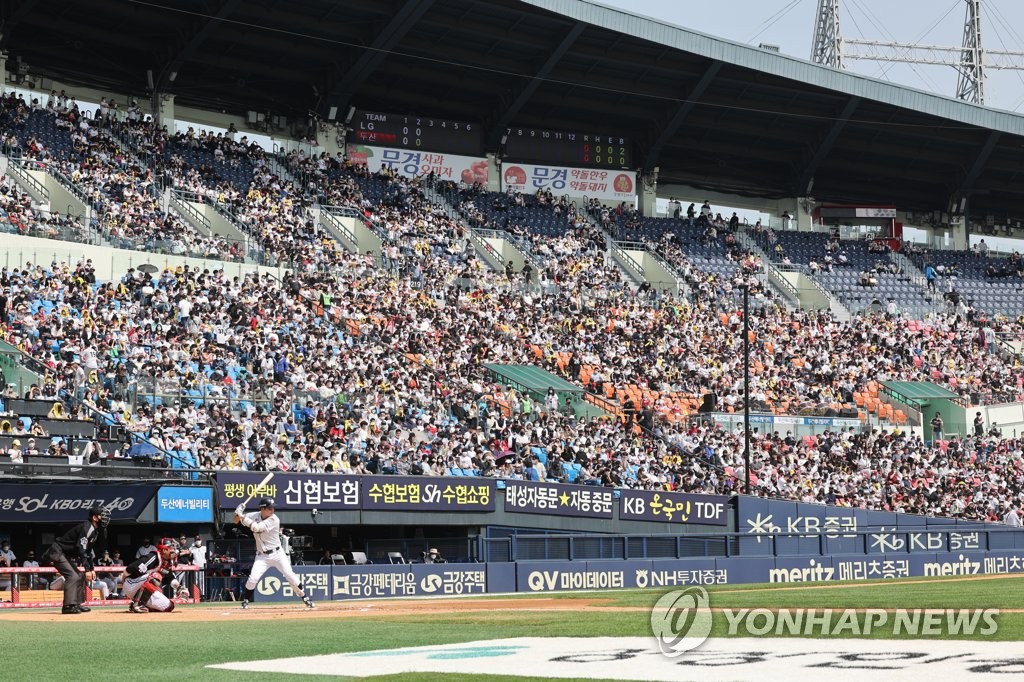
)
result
[(424, 580)]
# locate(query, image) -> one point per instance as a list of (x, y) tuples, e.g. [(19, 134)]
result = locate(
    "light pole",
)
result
[(746, 383)]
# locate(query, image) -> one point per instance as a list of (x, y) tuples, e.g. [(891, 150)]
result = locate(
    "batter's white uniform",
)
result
[(269, 552)]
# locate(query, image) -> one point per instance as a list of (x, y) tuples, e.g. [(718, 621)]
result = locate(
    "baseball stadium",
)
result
[(504, 340)]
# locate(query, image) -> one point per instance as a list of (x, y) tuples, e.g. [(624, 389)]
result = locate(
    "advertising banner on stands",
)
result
[(806, 528), (412, 163), (331, 492), (651, 505), (600, 183), (184, 504), (556, 499), (30, 503), (416, 493)]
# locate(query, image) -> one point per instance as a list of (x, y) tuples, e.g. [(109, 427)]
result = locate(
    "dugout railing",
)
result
[(22, 588)]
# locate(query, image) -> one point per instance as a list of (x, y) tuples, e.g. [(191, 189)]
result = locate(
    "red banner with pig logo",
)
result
[(411, 163)]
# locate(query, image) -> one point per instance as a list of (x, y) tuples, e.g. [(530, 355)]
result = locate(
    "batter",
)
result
[(266, 528)]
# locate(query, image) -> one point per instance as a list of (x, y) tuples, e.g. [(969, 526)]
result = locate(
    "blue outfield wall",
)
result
[(338, 583), (785, 528)]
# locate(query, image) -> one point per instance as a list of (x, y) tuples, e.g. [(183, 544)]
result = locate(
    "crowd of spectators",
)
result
[(351, 364), (388, 377), (124, 183), (105, 175), (19, 214)]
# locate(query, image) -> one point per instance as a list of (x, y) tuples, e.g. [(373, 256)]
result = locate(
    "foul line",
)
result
[(876, 583)]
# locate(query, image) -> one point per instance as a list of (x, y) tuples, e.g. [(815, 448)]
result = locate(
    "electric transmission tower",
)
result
[(970, 60)]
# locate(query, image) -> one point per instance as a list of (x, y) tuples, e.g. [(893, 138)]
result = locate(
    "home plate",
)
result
[(638, 658)]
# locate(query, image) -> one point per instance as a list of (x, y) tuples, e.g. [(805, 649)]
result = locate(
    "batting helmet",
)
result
[(267, 502)]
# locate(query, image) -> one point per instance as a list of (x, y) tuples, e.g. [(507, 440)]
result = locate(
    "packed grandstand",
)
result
[(374, 362)]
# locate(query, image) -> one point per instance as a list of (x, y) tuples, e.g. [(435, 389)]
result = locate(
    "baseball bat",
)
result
[(266, 480)]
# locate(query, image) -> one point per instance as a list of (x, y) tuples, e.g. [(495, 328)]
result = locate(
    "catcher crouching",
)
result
[(144, 579)]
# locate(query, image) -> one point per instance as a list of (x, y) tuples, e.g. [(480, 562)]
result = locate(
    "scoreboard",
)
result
[(569, 148), (416, 132), (526, 145)]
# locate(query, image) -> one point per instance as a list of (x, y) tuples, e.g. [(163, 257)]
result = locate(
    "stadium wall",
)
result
[(1009, 417), (61, 200), (111, 263), (340, 583)]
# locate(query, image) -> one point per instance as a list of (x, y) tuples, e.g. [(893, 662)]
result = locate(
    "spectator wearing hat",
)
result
[(7, 560), (434, 557), (36, 430), (116, 560), (184, 555), (109, 580), (145, 548), (36, 581), (15, 452)]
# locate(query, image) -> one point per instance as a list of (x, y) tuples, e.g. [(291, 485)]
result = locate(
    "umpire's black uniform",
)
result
[(77, 542)]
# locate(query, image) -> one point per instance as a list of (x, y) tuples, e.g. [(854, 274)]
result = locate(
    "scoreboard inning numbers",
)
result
[(566, 147), (422, 133), (527, 145)]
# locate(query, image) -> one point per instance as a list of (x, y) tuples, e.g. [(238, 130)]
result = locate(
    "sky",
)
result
[(789, 24)]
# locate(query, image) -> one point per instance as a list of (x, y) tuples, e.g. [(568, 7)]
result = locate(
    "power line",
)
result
[(774, 19), (1000, 19), (879, 25)]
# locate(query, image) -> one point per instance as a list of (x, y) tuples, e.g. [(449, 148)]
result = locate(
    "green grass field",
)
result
[(154, 647)]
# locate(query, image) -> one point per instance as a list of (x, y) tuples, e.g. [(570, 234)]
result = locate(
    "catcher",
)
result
[(144, 579)]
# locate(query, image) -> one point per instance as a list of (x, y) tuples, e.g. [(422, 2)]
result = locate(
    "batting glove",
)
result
[(240, 510)]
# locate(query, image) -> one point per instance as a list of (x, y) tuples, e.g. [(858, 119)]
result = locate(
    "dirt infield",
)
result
[(232, 611)]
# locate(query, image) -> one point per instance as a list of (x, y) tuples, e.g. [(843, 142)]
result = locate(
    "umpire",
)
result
[(77, 542)]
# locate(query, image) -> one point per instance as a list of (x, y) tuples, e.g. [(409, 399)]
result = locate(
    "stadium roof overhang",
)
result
[(708, 113)]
